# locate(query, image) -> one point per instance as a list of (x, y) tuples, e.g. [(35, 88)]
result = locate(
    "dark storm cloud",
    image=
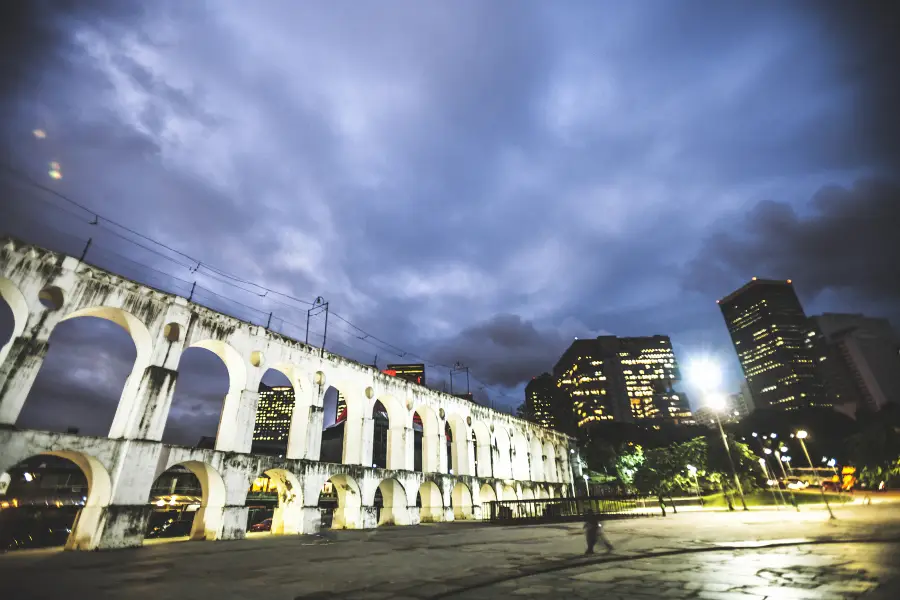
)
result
[(845, 241), (473, 182)]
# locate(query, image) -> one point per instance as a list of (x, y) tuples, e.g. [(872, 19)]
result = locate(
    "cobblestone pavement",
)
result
[(760, 554)]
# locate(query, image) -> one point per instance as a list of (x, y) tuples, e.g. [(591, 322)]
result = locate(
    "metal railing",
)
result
[(556, 510)]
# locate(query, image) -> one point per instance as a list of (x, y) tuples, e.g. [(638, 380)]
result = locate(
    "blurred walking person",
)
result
[(593, 531)]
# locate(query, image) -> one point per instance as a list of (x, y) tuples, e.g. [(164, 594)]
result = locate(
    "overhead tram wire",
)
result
[(196, 265)]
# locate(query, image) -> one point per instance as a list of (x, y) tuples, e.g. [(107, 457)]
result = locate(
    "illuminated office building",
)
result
[(273, 418), (539, 396), (584, 383), (769, 328), (622, 379), (413, 373), (649, 371)]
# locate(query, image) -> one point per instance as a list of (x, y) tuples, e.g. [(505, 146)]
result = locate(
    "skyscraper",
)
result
[(582, 377), (622, 379), (650, 371), (858, 359), (769, 328), (273, 418), (539, 400)]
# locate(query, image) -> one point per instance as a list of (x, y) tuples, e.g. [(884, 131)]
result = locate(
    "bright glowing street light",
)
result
[(802, 435), (707, 375)]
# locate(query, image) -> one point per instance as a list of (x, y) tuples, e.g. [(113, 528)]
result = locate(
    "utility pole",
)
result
[(458, 368), (317, 308)]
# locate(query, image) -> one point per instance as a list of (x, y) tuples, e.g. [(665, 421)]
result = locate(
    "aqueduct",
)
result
[(494, 456)]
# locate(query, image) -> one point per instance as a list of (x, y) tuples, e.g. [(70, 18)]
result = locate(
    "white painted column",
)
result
[(434, 453), (359, 433), (24, 359), (305, 435), (147, 397), (314, 432), (400, 447), (236, 423)]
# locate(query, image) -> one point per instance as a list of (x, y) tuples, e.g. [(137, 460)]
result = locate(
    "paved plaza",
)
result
[(760, 554)]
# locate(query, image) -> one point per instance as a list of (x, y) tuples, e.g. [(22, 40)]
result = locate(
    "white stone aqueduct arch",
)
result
[(43, 288)]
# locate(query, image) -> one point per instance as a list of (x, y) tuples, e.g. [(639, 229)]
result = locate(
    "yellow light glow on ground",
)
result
[(39, 134)]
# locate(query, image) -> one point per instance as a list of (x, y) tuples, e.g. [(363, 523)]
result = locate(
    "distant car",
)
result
[(264, 525), (796, 484)]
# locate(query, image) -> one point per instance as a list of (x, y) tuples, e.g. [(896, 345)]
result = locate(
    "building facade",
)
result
[(413, 373), (273, 419), (622, 379), (649, 371), (769, 328), (858, 358), (539, 401), (584, 380)]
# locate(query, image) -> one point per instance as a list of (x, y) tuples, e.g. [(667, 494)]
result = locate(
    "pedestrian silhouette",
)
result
[(593, 531)]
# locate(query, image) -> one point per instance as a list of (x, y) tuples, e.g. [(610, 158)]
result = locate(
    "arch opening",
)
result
[(486, 493), (461, 501), (274, 411), (448, 437), (342, 411), (430, 502), (13, 314), (340, 503), (391, 503), (92, 362), (198, 399), (54, 499), (484, 455), (508, 492), (185, 512), (275, 503), (427, 440), (380, 435)]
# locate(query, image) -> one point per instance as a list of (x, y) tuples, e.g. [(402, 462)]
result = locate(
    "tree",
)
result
[(875, 450)]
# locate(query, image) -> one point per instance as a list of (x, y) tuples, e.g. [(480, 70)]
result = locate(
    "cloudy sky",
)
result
[(473, 181)]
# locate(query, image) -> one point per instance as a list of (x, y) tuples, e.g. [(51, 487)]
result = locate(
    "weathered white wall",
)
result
[(511, 452)]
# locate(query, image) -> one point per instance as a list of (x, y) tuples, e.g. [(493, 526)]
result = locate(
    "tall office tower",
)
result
[(583, 379), (623, 379), (539, 395), (273, 417), (858, 359), (414, 373), (650, 371), (769, 328)]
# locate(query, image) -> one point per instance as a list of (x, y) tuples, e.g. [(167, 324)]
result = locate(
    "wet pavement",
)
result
[(760, 554)]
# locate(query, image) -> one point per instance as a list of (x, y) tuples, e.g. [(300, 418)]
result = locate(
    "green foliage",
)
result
[(875, 450), (665, 470)]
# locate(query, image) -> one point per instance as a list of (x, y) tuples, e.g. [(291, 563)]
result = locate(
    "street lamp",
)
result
[(801, 435), (708, 376), (762, 463), (693, 472), (781, 460)]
